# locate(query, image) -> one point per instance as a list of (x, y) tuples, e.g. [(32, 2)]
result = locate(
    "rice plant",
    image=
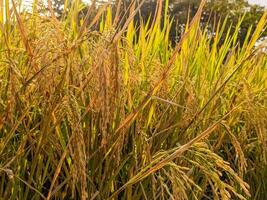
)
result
[(101, 107)]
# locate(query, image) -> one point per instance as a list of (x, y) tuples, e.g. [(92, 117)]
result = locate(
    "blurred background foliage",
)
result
[(182, 11)]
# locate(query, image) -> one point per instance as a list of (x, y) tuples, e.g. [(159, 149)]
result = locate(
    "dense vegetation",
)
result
[(117, 112), (181, 10), (213, 12)]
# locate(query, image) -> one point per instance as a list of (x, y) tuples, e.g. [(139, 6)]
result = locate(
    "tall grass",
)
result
[(116, 112)]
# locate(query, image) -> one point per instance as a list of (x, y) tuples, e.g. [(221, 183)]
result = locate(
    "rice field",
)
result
[(103, 108)]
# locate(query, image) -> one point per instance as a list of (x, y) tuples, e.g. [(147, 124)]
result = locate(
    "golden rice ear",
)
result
[(24, 37)]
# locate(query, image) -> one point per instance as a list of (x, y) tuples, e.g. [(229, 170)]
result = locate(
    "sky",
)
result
[(260, 2)]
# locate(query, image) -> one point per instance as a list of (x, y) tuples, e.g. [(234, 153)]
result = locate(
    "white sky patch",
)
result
[(86, 1), (259, 2), (27, 4)]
